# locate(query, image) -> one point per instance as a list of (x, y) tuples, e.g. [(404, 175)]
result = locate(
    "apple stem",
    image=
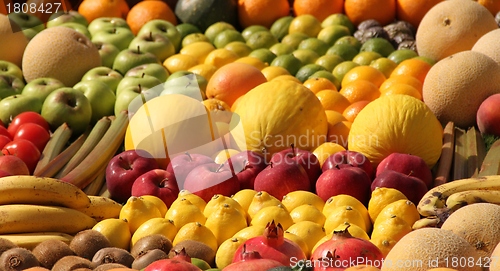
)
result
[(150, 35), (189, 155), (162, 183), (337, 166), (246, 163), (293, 149), (114, 31), (219, 168), (411, 173), (140, 87), (271, 164), (142, 76), (138, 49)]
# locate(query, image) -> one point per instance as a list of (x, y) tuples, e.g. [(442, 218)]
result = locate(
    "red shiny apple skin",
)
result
[(182, 164), (159, 183), (488, 116), (279, 180), (246, 165), (123, 169), (348, 158), (305, 158), (407, 164), (412, 187), (349, 180), (209, 179)]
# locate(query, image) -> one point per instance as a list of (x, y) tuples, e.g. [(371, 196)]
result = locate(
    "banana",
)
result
[(101, 208), (31, 240), (24, 189), (426, 222), (460, 199), (436, 197), (25, 218)]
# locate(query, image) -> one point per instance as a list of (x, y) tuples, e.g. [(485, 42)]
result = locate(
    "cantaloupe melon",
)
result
[(488, 44), (495, 255), (12, 41)]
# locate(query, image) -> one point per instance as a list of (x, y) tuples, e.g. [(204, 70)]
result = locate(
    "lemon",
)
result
[(194, 199), (306, 23), (197, 232), (325, 150), (156, 225), (217, 200), (307, 212), (381, 197), (308, 231), (301, 197), (394, 227), (298, 241), (354, 230), (162, 207), (220, 57), (277, 213), (180, 62), (225, 221), (402, 208), (244, 198), (205, 70), (199, 50), (184, 212), (347, 200), (342, 214), (260, 200), (250, 232), (137, 211), (272, 72), (384, 243), (116, 231), (257, 63), (225, 253)]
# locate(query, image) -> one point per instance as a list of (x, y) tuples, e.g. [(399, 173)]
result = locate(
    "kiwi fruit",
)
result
[(48, 252), (367, 24), (17, 258), (87, 242), (72, 263), (148, 257), (108, 266), (6, 244), (112, 255), (196, 249), (151, 242)]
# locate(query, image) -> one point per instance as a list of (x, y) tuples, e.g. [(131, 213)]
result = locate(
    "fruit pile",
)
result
[(249, 135)]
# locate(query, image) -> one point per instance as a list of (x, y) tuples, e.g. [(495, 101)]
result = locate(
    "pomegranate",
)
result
[(343, 251), (179, 262), (252, 261), (272, 245)]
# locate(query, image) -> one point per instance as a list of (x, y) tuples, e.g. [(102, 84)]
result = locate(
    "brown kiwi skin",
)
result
[(71, 263), (6, 244), (108, 266), (49, 252), (17, 258), (150, 242), (112, 255), (87, 242), (196, 249), (148, 257)]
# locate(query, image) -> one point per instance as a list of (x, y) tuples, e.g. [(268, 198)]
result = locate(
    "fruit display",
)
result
[(225, 135)]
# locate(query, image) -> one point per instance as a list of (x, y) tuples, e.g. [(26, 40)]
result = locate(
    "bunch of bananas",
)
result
[(33, 209)]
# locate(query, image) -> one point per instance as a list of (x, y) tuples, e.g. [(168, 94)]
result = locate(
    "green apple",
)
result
[(27, 21), (186, 85), (130, 58), (16, 104), (101, 98), (7, 67), (154, 69), (70, 106), (29, 33), (128, 95), (163, 27), (104, 74), (70, 16), (10, 85), (155, 43), (118, 36), (41, 87), (104, 23), (202, 81), (108, 52), (144, 80), (78, 27)]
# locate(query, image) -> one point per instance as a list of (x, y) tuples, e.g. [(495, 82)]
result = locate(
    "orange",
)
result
[(402, 89), (92, 9), (334, 117), (261, 12), (353, 110), (360, 90), (402, 79), (44, 16), (145, 11), (368, 73), (319, 83), (414, 67), (318, 8), (413, 11), (233, 80), (333, 100), (492, 5), (339, 133), (384, 11)]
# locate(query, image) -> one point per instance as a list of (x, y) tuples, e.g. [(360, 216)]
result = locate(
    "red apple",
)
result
[(25, 150), (13, 165), (407, 164), (159, 183), (123, 169), (279, 180), (488, 116), (246, 165), (412, 187), (209, 179), (350, 180), (306, 159), (182, 164), (4, 173), (4, 140), (346, 159)]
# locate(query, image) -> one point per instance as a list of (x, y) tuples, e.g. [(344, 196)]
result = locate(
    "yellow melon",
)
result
[(451, 27), (12, 41), (488, 44), (495, 257)]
